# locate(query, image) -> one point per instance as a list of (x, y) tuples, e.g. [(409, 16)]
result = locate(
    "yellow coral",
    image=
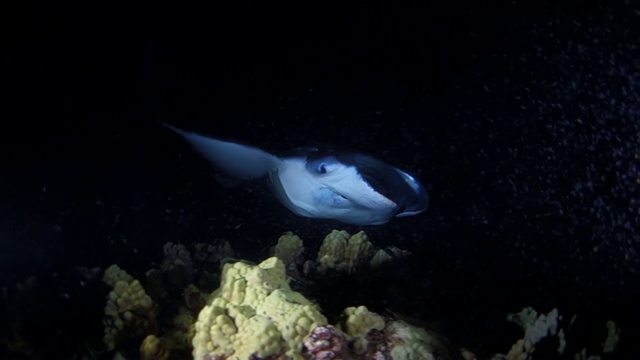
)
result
[(359, 251), (332, 251), (410, 342), (342, 252), (289, 247), (153, 348), (129, 312), (254, 312), (357, 323), (114, 273)]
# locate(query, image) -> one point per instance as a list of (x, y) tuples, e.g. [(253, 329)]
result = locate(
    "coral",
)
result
[(327, 342), (114, 273), (176, 267), (358, 322), (206, 257), (373, 337), (132, 310), (536, 327), (254, 314), (88, 273), (332, 252), (194, 299), (340, 252), (358, 252), (154, 284), (129, 313), (289, 248), (174, 344), (175, 255), (175, 273), (183, 329), (613, 336), (212, 253), (409, 342), (343, 252), (153, 348), (384, 256)]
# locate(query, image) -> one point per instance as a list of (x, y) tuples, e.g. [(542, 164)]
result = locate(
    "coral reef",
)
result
[(255, 315), (538, 327), (162, 309)]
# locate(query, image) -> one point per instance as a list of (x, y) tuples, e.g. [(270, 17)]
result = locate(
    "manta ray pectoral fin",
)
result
[(236, 161), (409, 213)]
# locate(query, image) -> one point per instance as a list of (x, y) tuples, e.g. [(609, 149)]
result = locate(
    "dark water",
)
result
[(523, 118)]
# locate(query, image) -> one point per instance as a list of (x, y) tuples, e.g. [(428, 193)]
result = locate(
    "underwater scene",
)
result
[(321, 180)]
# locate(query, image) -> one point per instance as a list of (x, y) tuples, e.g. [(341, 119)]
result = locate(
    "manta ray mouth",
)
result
[(351, 200), (340, 199), (342, 196)]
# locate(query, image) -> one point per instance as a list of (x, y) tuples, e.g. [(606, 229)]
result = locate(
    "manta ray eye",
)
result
[(322, 166)]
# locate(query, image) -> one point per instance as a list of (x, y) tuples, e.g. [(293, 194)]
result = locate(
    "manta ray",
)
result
[(320, 183)]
